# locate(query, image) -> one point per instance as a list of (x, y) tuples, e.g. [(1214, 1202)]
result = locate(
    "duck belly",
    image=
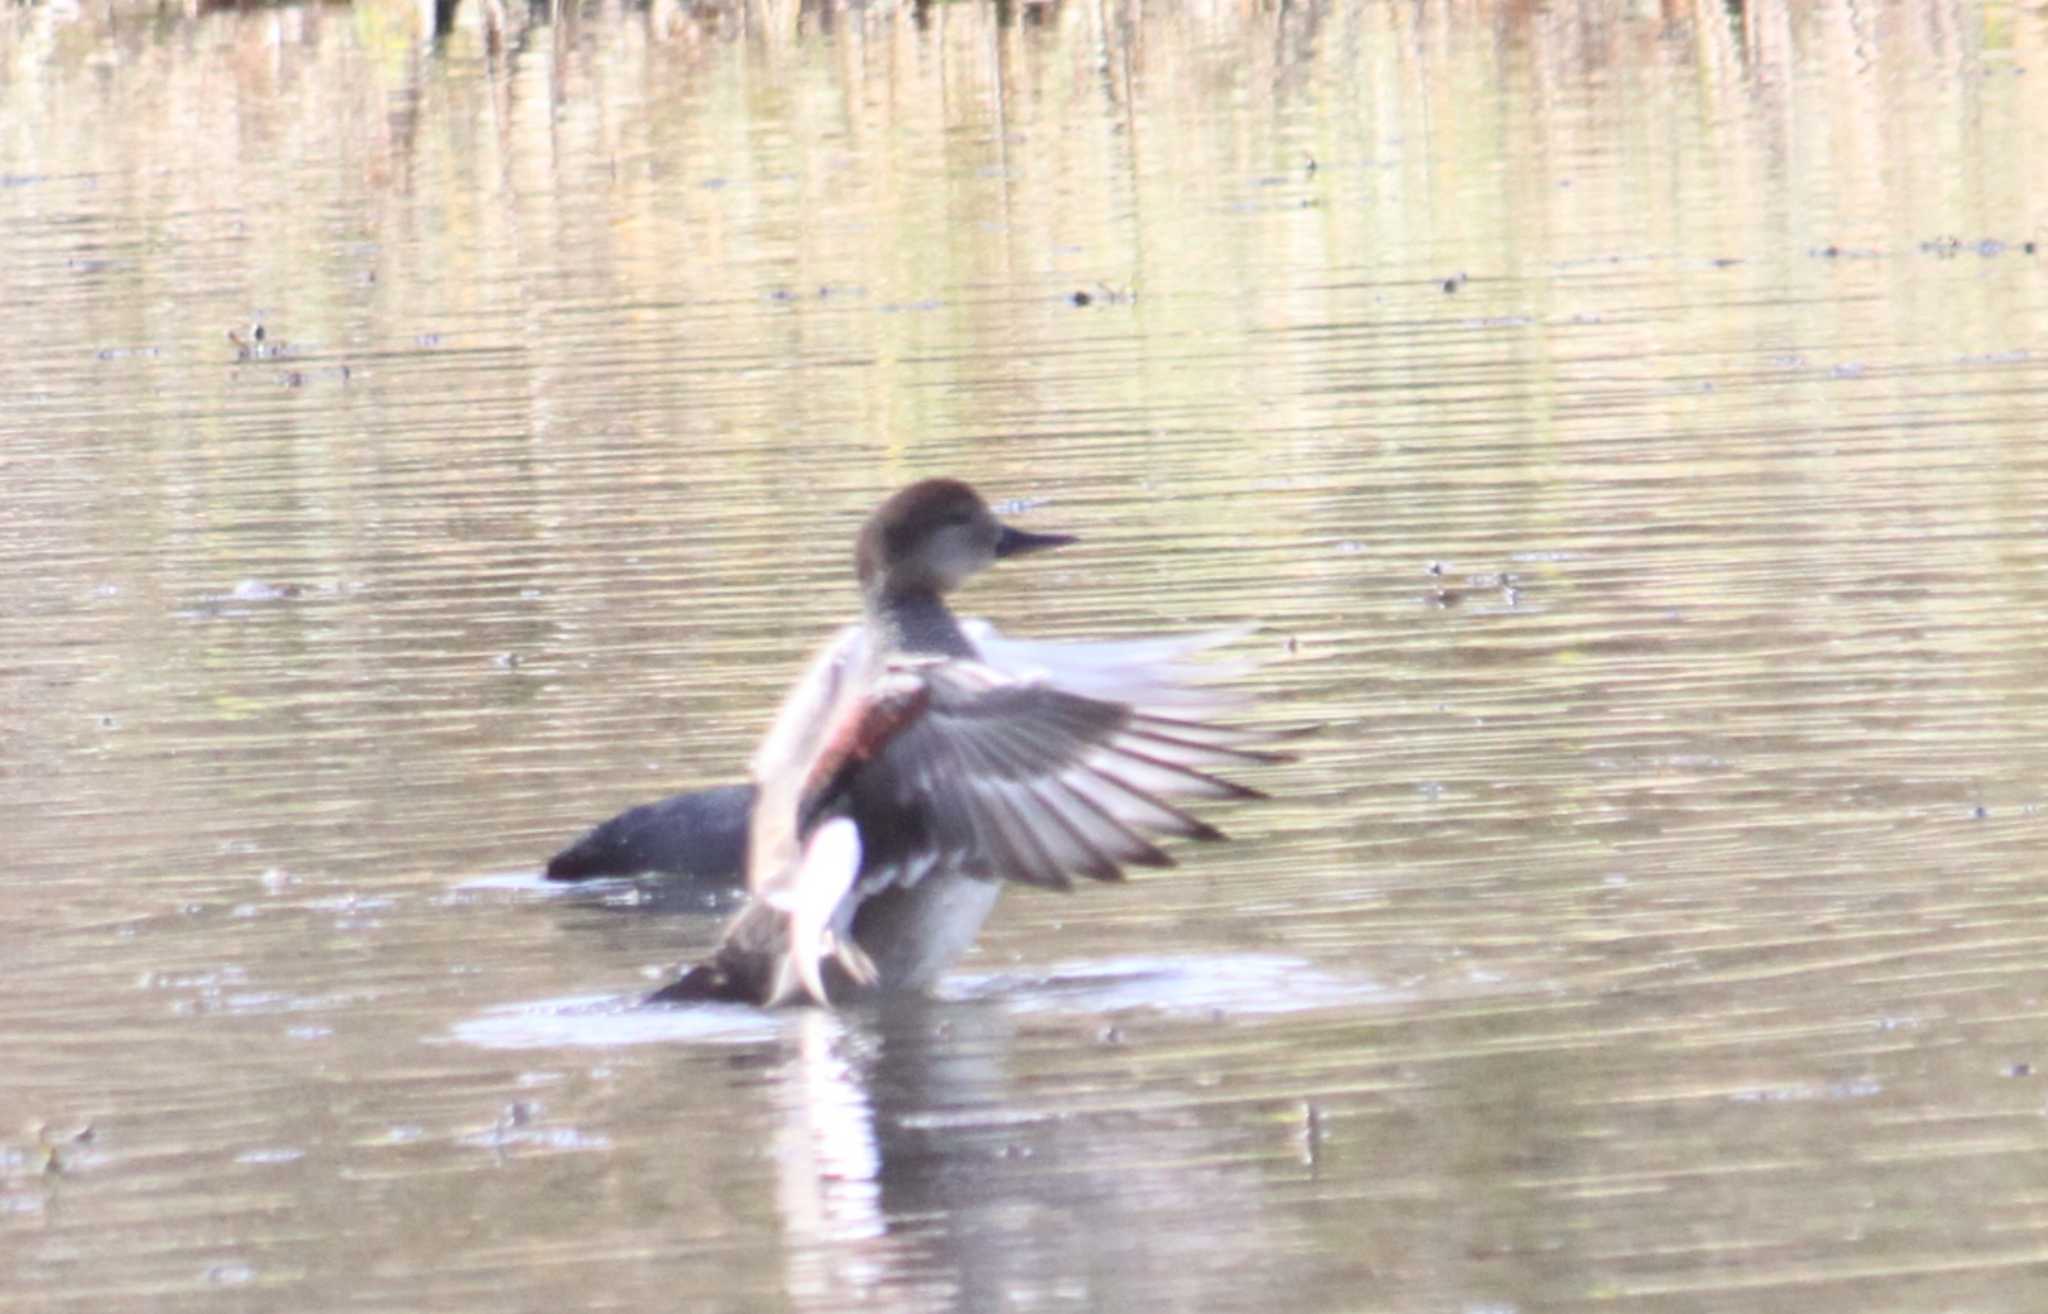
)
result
[(913, 935)]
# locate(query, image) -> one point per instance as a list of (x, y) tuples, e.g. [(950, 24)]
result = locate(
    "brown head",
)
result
[(933, 535)]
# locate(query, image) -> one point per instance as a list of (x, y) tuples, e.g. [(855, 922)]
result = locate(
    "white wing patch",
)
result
[(809, 898)]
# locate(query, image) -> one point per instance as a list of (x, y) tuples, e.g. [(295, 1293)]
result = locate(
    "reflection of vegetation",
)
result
[(695, 242)]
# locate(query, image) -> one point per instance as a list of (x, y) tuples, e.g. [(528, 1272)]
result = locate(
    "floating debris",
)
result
[(258, 345)]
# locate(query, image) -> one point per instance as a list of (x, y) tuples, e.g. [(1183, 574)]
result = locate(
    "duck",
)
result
[(920, 763), (696, 839)]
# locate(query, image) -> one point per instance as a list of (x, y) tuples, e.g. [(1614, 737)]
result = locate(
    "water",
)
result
[(1623, 422)]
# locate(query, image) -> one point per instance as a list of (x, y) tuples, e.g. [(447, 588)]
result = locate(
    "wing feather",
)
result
[(1015, 778)]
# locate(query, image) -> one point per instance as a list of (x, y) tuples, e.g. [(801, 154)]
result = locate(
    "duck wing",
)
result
[(1156, 674), (972, 768)]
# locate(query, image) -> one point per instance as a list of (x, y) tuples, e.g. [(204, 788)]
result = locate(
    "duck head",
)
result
[(935, 534)]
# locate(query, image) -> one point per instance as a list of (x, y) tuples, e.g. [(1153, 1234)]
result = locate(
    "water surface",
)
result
[(1624, 425)]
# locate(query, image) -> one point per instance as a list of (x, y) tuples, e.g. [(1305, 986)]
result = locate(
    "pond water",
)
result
[(1624, 421)]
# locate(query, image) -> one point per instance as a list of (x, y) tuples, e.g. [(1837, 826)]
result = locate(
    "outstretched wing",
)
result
[(1156, 675), (1014, 778)]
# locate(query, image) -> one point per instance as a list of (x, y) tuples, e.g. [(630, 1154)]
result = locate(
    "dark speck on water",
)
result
[(259, 345)]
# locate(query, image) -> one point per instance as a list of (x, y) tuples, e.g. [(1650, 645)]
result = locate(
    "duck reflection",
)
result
[(915, 1168)]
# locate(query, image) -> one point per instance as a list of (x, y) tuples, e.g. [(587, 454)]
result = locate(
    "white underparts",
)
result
[(830, 861)]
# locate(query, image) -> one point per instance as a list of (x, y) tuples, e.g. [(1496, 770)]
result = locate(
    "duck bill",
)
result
[(1017, 542)]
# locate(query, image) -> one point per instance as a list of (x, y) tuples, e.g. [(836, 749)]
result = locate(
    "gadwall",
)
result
[(920, 762), (698, 837)]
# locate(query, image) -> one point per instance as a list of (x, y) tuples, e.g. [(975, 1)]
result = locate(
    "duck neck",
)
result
[(916, 621)]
